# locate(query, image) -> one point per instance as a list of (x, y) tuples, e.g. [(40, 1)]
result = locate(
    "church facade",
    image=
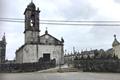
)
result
[(2, 49), (116, 47), (38, 46)]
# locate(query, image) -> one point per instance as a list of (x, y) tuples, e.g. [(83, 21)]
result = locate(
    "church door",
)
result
[(46, 57)]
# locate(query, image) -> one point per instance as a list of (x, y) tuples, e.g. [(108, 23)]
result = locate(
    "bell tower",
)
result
[(31, 24)]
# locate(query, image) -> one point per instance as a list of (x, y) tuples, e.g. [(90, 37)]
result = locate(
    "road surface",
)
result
[(60, 76)]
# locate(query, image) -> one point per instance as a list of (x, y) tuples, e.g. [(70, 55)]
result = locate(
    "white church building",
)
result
[(38, 46), (116, 47)]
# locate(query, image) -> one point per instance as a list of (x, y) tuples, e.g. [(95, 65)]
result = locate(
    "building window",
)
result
[(31, 23)]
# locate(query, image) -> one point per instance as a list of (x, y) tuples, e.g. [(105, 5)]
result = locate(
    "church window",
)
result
[(32, 20), (31, 23)]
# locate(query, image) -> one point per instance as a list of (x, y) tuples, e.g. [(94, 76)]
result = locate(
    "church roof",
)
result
[(31, 6), (50, 36), (50, 39), (115, 42)]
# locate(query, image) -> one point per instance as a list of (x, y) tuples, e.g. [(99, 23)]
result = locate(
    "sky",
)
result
[(81, 37)]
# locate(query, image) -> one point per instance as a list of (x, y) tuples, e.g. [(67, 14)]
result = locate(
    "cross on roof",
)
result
[(114, 36)]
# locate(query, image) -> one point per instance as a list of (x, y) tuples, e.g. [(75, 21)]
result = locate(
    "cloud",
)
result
[(77, 9), (1, 7), (66, 9), (117, 1), (1, 14), (106, 9), (104, 32)]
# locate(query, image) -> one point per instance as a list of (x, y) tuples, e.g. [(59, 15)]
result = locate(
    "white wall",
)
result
[(55, 52), (117, 50), (29, 53), (19, 56)]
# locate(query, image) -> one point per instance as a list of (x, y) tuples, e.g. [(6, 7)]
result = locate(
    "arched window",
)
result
[(31, 23)]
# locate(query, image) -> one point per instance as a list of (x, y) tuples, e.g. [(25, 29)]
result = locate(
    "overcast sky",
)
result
[(81, 37)]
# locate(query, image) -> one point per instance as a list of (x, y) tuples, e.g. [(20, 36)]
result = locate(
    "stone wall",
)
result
[(26, 67)]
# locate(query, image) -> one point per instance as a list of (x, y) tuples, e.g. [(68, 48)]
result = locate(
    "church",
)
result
[(116, 47), (2, 49), (38, 46)]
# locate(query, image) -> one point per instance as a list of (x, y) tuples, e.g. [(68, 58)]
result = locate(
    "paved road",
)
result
[(60, 76), (52, 70)]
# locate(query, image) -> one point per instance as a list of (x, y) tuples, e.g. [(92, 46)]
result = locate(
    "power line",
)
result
[(102, 21), (65, 22), (88, 21), (85, 24), (11, 21)]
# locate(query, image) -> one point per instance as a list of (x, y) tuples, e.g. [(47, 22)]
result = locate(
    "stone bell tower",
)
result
[(31, 24), (3, 49)]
